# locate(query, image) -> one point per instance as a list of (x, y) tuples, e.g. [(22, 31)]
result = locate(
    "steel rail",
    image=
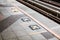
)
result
[(51, 2), (45, 8), (49, 5)]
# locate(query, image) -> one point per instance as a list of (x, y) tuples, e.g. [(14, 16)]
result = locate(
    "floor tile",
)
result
[(0, 37), (25, 38), (8, 33), (12, 39), (8, 21)]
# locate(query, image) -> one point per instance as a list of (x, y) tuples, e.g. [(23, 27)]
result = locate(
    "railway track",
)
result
[(46, 11), (48, 5), (45, 8), (40, 23)]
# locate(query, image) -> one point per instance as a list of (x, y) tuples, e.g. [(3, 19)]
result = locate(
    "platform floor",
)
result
[(13, 28)]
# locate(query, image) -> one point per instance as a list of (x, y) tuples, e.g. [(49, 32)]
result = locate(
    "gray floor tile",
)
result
[(0, 37), (37, 37), (53, 39), (47, 35), (1, 17), (25, 38), (57, 30), (20, 33), (12, 39), (8, 33), (8, 21)]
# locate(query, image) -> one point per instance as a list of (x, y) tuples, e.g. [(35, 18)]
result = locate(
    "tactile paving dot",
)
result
[(34, 27), (25, 19), (14, 9), (47, 35)]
